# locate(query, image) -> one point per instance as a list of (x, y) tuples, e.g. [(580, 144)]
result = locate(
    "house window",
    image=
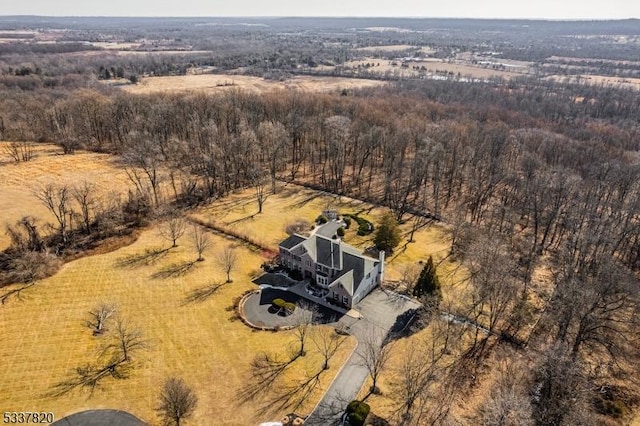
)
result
[(369, 275), (322, 280), (345, 300)]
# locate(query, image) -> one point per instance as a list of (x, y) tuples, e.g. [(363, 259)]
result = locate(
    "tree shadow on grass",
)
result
[(89, 378), (203, 293), (174, 270), (148, 257), (306, 200), (16, 292), (270, 396)]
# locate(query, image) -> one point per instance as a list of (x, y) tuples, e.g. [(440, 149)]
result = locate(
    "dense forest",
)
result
[(531, 175)]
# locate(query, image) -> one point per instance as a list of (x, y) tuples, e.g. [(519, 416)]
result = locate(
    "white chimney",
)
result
[(381, 259)]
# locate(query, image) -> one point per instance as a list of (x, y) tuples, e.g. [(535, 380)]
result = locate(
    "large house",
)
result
[(343, 271)]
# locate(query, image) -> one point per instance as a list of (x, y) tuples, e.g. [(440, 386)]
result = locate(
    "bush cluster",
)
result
[(357, 412), (282, 304), (347, 221), (364, 226)]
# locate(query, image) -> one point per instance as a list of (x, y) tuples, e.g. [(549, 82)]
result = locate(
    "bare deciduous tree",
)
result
[(114, 360), (305, 317), (19, 151), (173, 229), (126, 340), (508, 403), (260, 187), (327, 341), (201, 241), (144, 160), (418, 388), (85, 196), (99, 315), (227, 259), (559, 390), (25, 236), (177, 401), (56, 199)]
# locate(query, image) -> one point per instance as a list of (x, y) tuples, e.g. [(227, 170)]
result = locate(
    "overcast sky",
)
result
[(536, 9)]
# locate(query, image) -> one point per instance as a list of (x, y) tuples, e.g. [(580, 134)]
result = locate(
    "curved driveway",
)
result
[(381, 310)]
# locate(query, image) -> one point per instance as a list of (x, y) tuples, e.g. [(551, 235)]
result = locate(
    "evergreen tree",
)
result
[(388, 236), (428, 283)]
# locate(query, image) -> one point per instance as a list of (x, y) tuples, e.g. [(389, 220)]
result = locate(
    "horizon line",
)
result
[(323, 17)]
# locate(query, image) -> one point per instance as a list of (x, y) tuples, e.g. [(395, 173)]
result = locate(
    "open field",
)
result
[(395, 48), (600, 80), (417, 68), (45, 338), (215, 82), (21, 180)]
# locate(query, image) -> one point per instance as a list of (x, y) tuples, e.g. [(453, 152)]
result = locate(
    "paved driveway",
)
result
[(100, 418), (381, 310)]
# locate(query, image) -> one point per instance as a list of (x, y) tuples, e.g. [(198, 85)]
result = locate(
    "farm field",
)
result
[(214, 82), (599, 80), (395, 48), (432, 66)]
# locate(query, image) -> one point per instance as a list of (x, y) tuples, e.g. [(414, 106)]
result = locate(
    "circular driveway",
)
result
[(259, 312), (100, 418)]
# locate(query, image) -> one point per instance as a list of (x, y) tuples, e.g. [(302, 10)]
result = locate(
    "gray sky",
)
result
[(550, 9)]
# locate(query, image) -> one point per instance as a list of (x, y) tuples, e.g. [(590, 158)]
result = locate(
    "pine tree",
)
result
[(388, 235), (428, 283)]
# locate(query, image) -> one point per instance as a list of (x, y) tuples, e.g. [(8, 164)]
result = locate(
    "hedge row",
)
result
[(364, 226)]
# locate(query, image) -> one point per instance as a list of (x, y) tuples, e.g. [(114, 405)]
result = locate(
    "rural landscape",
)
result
[(319, 221)]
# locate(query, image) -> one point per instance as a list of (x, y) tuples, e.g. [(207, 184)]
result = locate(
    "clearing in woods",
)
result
[(20, 181)]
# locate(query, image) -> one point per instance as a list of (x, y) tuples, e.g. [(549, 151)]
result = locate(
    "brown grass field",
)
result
[(21, 180), (215, 82), (45, 338), (432, 66), (44, 330), (238, 212), (600, 80)]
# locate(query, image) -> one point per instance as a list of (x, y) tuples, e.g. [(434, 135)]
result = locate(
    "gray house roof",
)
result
[(292, 241), (351, 263), (327, 252)]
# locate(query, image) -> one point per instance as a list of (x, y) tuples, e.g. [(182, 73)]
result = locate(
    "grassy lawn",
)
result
[(45, 336), (239, 213)]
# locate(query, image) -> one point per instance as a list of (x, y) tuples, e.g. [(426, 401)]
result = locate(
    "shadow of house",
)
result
[(323, 315)]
